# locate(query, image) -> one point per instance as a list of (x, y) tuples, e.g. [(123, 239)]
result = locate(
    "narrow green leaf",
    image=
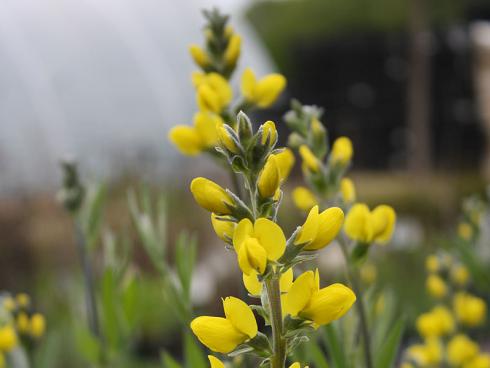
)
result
[(194, 357), (387, 353), (315, 354), (169, 362), (334, 346)]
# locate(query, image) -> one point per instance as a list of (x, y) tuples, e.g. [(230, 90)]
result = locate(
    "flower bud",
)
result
[(223, 228), (285, 162), (23, 300), (269, 133), (269, 179), (226, 139), (367, 227), (303, 198), (348, 190), (329, 224), (199, 56), (309, 159), (245, 130), (232, 51), (211, 196), (342, 151)]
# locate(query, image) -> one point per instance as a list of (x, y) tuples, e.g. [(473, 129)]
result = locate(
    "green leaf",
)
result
[(334, 346), (387, 353), (194, 357), (110, 313), (316, 355), (94, 214), (169, 362), (88, 345), (185, 258)]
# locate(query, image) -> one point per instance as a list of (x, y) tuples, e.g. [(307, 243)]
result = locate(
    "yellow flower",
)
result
[(303, 198), (310, 162), (461, 349), (320, 229), (213, 91), (186, 139), (22, 323), (348, 190), (223, 228), (368, 273), (9, 304), (215, 362), (428, 354), (432, 263), (438, 322), (37, 325), (257, 243), (342, 151), (211, 196), (470, 310), (436, 286), (254, 286), (480, 361), (269, 178), (23, 300), (269, 133), (232, 52), (264, 92), (8, 338), (223, 335), (465, 231), (199, 56), (460, 275), (285, 162), (305, 299), (370, 226), (226, 140), (297, 365)]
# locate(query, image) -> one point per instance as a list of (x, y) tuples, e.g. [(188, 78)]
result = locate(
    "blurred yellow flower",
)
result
[(460, 275), (23, 300), (22, 323), (432, 263), (8, 338), (223, 228), (9, 303), (213, 91), (232, 52), (342, 151), (461, 349), (211, 196), (438, 322), (427, 355), (215, 362), (348, 190), (470, 310), (37, 325), (199, 56), (436, 286), (465, 231), (304, 199), (310, 161), (480, 361), (370, 226), (269, 178), (368, 273), (223, 335), (263, 92)]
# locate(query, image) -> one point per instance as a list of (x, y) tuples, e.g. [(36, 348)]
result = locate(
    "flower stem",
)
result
[(353, 278), (278, 358)]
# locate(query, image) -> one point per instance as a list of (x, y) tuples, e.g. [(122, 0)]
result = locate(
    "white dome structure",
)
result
[(101, 80)]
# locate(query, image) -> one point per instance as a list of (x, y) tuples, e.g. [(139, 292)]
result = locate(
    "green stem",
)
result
[(353, 278), (278, 358)]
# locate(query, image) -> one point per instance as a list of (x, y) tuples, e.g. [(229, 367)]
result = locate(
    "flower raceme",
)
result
[(223, 335), (263, 92), (367, 226), (257, 243), (211, 196), (306, 300)]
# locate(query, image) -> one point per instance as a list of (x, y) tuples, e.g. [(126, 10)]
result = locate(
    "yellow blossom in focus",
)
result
[(470, 310), (461, 349), (285, 162), (304, 199), (37, 325), (432, 263), (223, 335), (460, 275), (223, 228), (215, 362), (257, 243), (199, 56), (254, 286), (305, 299), (232, 52), (348, 190), (269, 178), (211, 196), (370, 226), (263, 92), (465, 231), (320, 229), (8, 338), (310, 161), (436, 286), (342, 151)]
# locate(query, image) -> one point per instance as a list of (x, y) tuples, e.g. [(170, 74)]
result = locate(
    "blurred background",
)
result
[(104, 80)]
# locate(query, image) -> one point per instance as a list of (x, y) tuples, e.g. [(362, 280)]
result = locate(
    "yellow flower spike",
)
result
[(252, 257), (211, 196), (215, 362), (465, 231), (436, 286), (269, 133), (186, 139), (460, 275), (470, 310), (232, 52), (8, 338), (22, 323), (329, 224), (254, 286), (264, 92), (348, 190), (285, 162), (303, 198), (208, 100), (461, 349), (37, 325), (480, 361), (342, 151), (309, 159), (309, 230), (269, 178), (199, 56), (358, 224), (206, 126), (223, 335), (383, 222), (9, 304), (432, 264), (223, 228), (226, 140)]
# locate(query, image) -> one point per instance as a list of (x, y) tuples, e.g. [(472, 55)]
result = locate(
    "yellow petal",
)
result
[(300, 293), (215, 362), (8, 338), (295, 365), (37, 325), (240, 315), (461, 349), (330, 223), (329, 304), (243, 231), (383, 219), (286, 280), (357, 223), (303, 198), (252, 257), (285, 162), (186, 139), (269, 178), (199, 56), (221, 87), (211, 196), (348, 190), (208, 99), (436, 286), (224, 229), (342, 151), (206, 125), (309, 159), (269, 133), (270, 237), (217, 333), (232, 51), (248, 84), (309, 230), (268, 89), (252, 283), (226, 140)]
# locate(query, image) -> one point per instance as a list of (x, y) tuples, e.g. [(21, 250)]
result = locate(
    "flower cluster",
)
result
[(444, 328)]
